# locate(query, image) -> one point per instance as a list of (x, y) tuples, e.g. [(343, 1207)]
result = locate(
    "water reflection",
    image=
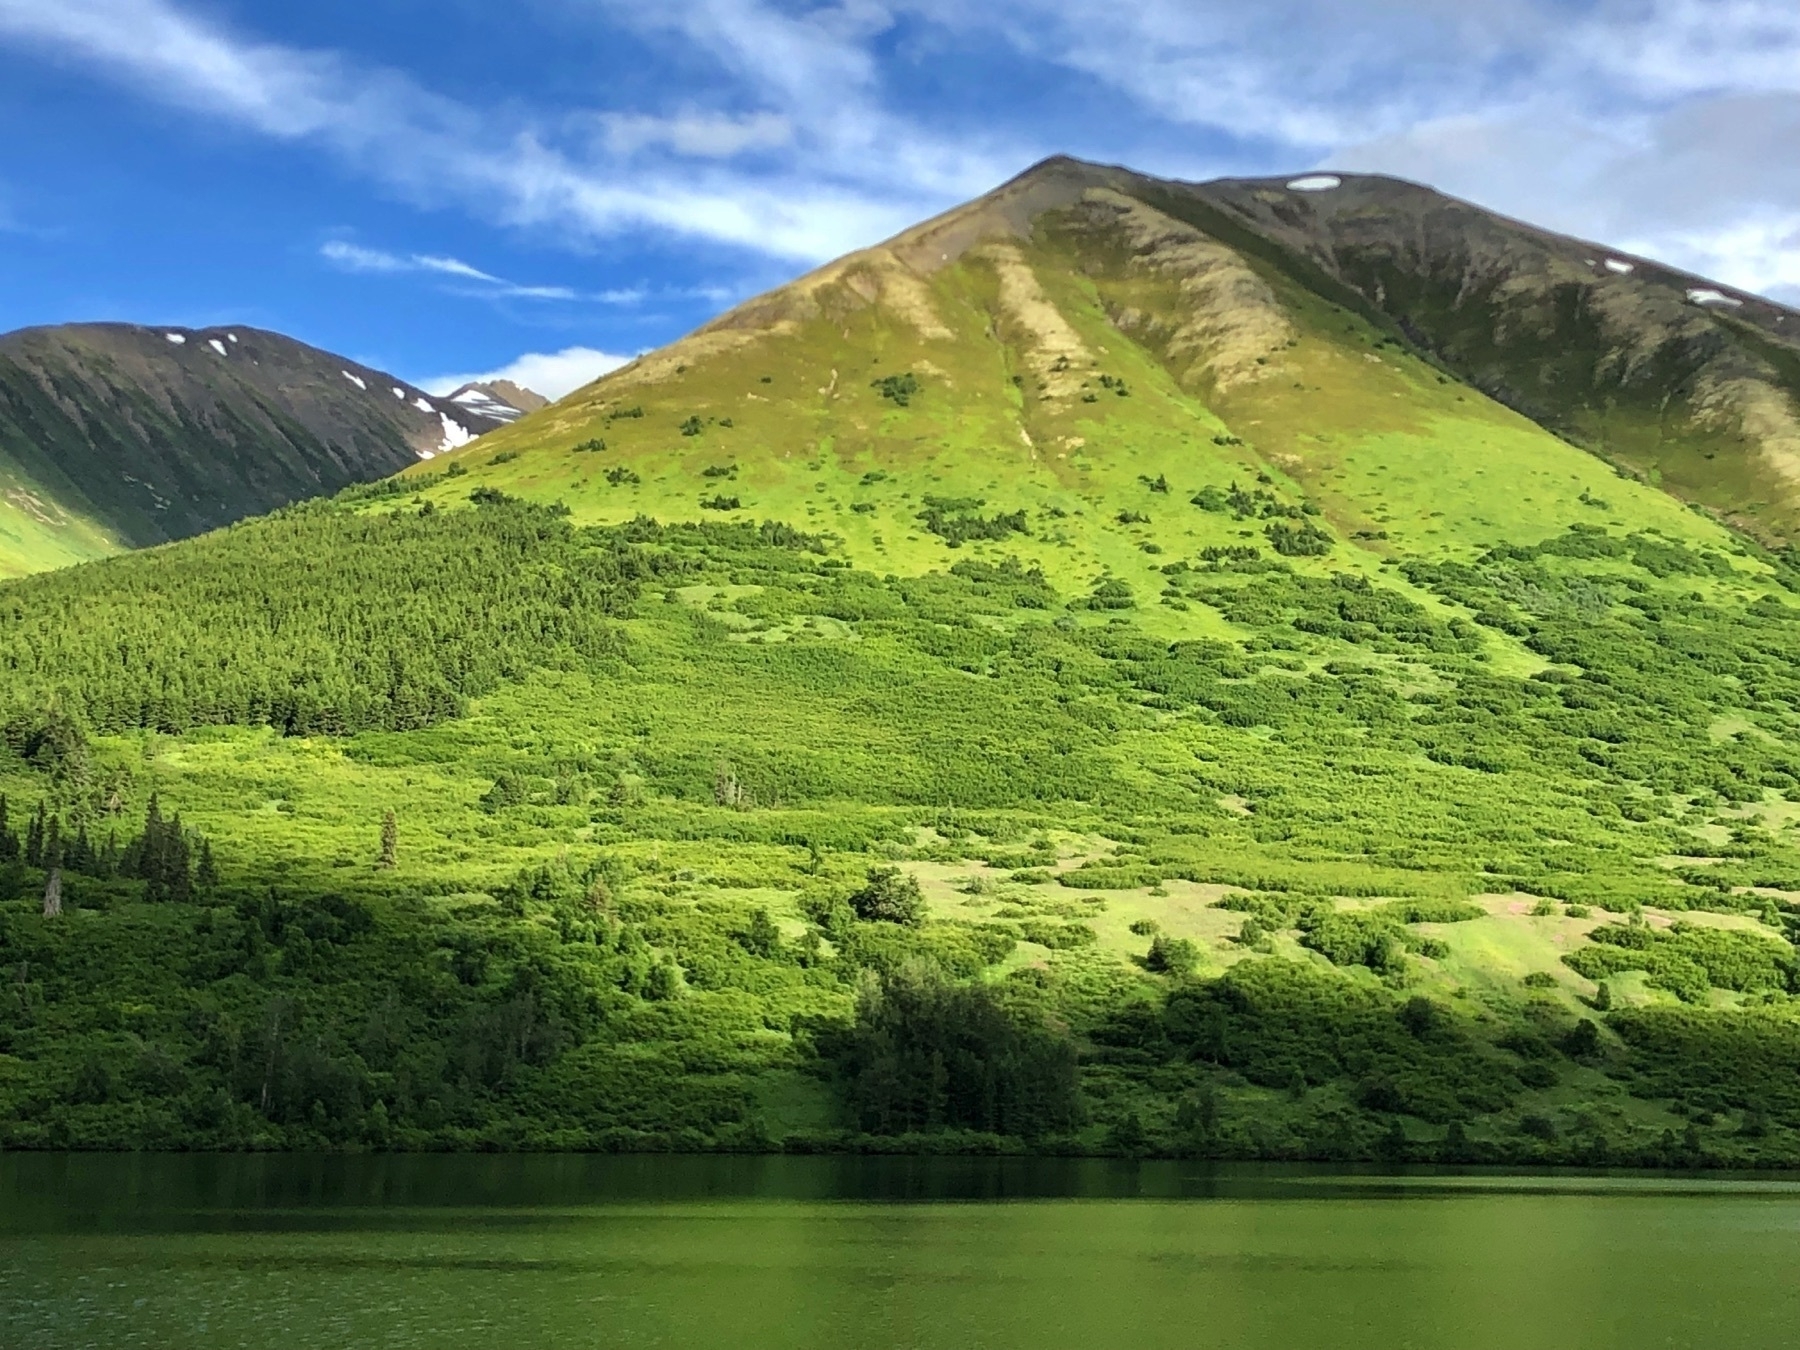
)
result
[(286, 1253)]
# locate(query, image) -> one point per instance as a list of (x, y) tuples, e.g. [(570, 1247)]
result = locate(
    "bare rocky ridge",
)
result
[(150, 434)]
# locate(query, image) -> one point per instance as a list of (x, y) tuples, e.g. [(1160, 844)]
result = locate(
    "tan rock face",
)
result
[(1229, 322)]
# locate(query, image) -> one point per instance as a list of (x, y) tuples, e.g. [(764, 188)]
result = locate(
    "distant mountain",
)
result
[(501, 400), (115, 436)]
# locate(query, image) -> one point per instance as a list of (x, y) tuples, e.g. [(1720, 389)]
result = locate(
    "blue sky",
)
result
[(446, 187)]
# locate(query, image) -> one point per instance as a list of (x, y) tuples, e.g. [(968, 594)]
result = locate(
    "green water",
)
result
[(274, 1253)]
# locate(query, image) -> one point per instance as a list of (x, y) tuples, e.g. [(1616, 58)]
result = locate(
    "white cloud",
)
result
[(701, 135), (356, 258), (552, 374), (1661, 124), (501, 163), (453, 267)]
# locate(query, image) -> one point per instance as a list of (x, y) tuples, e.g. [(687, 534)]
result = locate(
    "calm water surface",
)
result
[(283, 1253)]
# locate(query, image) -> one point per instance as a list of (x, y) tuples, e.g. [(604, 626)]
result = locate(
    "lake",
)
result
[(274, 1253)]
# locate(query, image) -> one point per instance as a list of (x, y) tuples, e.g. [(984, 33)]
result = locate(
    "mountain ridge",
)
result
[(120, 435), (1610, 352)]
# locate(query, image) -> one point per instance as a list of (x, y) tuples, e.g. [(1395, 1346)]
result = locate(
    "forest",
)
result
[(380, 824)]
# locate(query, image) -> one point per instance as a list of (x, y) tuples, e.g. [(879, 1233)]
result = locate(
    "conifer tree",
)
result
[(79, 857), (178, 868), (53, 845), (390, 840), (34, 839), (206, 872), (9, 842)]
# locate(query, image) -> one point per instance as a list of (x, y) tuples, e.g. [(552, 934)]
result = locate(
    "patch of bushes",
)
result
[(958, 520), (926, 1055), (897, 389)]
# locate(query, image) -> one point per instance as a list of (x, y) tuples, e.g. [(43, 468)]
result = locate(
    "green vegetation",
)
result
[(650, 837), (897, 389), (545, 807)]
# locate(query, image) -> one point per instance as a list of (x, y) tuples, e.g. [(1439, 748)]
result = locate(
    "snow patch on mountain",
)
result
[(1706, 295), (1620, 266), (1316, 182), (216, 345), (456, 435), (179, 339), (356, 380)]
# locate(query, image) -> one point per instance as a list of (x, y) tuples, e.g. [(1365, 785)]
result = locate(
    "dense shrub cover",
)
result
[(477, 829)]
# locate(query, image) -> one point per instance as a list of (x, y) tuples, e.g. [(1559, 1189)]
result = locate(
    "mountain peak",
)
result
[(498, 400)]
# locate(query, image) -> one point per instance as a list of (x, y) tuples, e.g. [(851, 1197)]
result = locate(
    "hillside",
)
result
[(1071, 679), (114, 436)]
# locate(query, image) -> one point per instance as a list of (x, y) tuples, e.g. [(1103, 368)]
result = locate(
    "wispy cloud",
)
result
[(697, 134), (356, 258), (552, 374), (520, 171), (1666, 124)]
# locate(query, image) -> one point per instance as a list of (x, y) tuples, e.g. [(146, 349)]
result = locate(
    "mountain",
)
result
[(114, 436), (1125, 667), (500, 400), (1303, 318)]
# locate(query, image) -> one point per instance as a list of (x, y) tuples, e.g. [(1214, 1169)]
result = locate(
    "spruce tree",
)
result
[(9, 842), (34, 839), (206, 872), (53, 845), (390, 840), (178, 869)]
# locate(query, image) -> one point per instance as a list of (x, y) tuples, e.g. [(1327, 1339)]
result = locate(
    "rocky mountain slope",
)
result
[(114, 436)]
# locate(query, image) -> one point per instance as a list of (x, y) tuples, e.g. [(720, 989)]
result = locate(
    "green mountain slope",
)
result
[(1068, 340), (114, 436), (1068, 679)]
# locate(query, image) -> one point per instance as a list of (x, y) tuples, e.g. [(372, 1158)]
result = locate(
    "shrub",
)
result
[(897, 389), (1305, 540), (891, 896), (1171, 956), (1111, 593), (957, 520)]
